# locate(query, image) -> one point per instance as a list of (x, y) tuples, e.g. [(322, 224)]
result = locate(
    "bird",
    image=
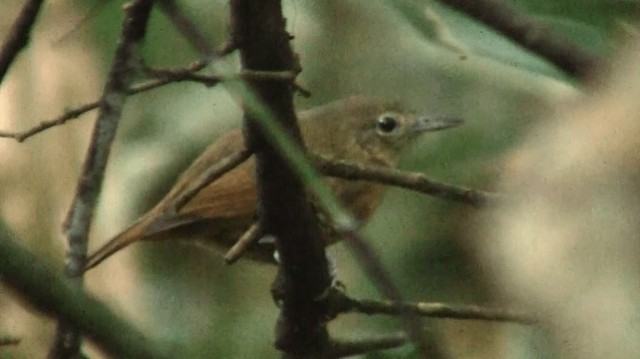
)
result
[(369, 131)]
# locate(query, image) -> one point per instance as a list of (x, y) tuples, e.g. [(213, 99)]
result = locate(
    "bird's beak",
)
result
[(435, 123)]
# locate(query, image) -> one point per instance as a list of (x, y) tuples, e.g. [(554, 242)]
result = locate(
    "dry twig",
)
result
[(434, 310), (410, 180), (78, 222)]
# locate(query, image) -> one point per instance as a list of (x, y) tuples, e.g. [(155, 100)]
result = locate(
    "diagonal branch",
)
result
[(79, 111), (21, 136), (211, 174), (18, 35), (530, 34), (78, 222), (186, 27), (44, 290)]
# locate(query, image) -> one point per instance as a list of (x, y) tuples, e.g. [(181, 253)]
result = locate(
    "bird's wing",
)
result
[(232, 195)]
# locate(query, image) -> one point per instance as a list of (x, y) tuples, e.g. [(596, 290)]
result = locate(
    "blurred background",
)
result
[(428, 56)]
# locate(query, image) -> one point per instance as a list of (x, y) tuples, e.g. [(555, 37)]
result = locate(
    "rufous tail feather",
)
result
[(125, 238)]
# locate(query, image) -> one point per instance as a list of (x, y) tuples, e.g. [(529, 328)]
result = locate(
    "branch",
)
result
[(343, 224), (432, 310), (372, 265), (49, 293), (393, 177), (78, 222), (44, 125), (243, 244), (21, 136), (530, 34), (78, 111), (211, 174), (18, 35), (344, 348), (410, 180), (284, 211), (249, 75), (178, 75), (187, 28)]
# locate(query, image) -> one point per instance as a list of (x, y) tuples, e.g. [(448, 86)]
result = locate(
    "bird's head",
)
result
[(368, 129)]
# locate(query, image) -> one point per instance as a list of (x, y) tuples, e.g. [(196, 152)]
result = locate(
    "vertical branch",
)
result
[(18, 35), (78, 223), (284, 211)]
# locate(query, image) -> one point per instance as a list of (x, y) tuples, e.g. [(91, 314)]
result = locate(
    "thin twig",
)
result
[(164, 77), (211, 174), (187, 28), (403, 179), (78, 111), (224, 49), (530, 34), (343, 348), (83, 23), (18, 35), (177, 75), (435, 310), (44, 125), (410, 180), (248, 238), (372, 265), (78, 222)]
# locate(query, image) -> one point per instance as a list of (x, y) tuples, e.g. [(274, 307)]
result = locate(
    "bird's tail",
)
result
[(125, 238)]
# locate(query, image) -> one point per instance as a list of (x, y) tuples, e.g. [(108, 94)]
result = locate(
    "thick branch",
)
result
[(529, 34), (18, 35), (284, 211)]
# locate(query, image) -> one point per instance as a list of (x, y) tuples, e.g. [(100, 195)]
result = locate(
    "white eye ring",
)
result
[(387, 124)]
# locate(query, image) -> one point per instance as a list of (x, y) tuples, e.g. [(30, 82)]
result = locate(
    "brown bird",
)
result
[(369, 131)]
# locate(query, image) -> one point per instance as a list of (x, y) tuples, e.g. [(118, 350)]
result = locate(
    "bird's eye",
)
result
[(387, 124)]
